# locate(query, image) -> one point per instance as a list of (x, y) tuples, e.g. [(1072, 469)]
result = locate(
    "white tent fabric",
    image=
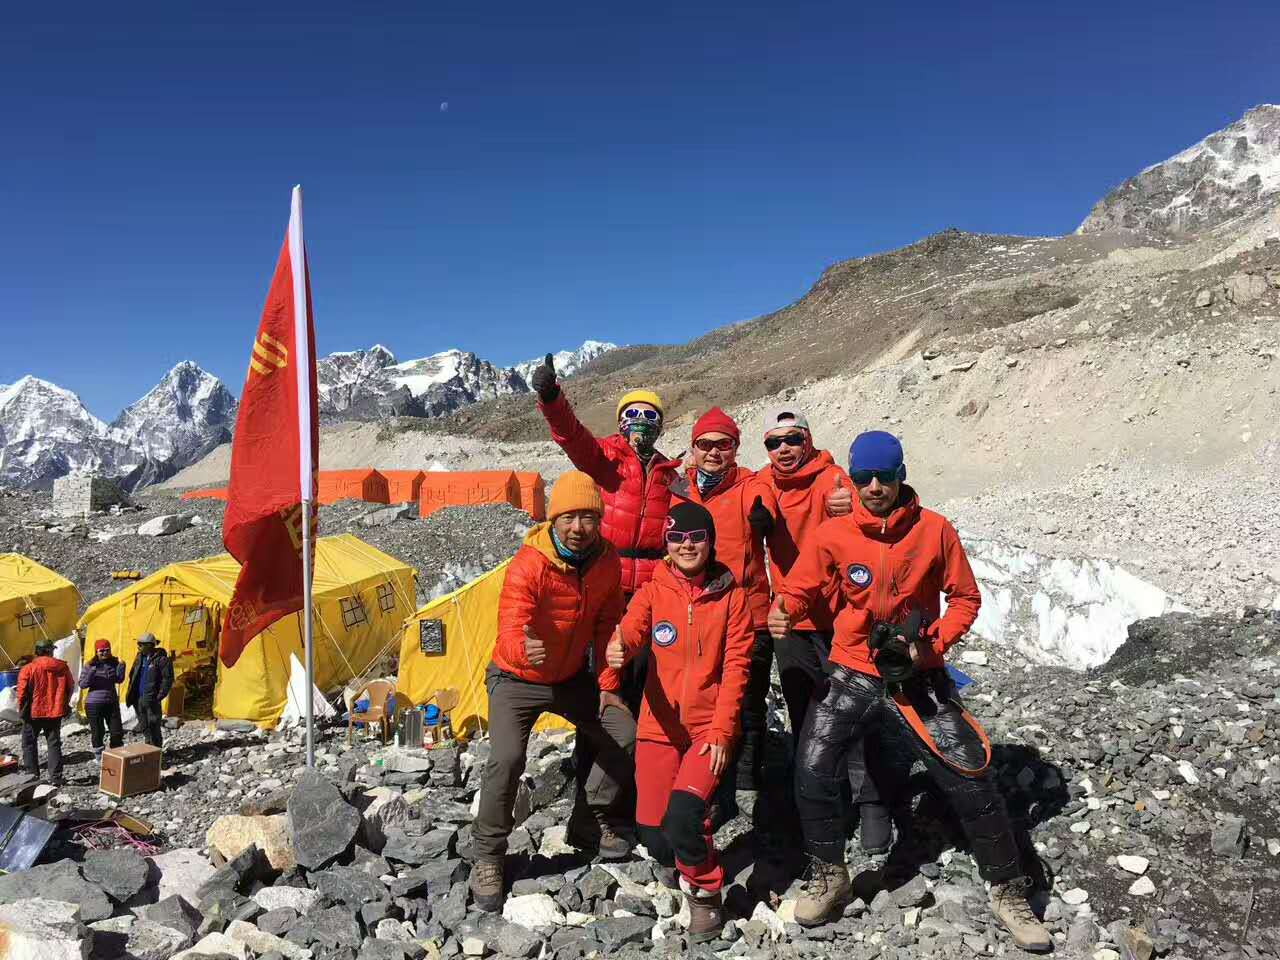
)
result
[(295, 708)]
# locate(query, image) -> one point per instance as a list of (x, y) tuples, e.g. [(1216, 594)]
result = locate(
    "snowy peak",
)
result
[(46, 431), (342, 379), (183, 413), (568, 362), (1230, 173)]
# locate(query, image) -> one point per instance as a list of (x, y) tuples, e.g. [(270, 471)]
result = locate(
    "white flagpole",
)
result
[(301, 342)]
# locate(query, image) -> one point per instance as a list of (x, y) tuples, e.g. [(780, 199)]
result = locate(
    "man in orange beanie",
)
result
[(561, 599)]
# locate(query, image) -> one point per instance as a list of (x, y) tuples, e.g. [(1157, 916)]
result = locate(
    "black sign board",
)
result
[(431, 637)]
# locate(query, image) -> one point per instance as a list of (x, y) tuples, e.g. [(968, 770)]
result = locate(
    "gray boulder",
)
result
[(322, 825), (121, 872), (43, 929), (59, 882)]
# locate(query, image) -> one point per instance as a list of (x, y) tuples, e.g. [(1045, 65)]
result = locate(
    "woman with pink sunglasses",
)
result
[(695, 621)]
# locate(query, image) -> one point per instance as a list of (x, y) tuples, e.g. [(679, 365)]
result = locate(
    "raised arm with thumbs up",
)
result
[(840, 499), (544, 380), (615, 654)]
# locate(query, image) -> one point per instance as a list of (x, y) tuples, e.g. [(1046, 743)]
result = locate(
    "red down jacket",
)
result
[(44, 688), (635, 499)]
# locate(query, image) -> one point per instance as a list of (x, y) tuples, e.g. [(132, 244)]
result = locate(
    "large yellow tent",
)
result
[(34, 602), (469, 617), (361, 597)]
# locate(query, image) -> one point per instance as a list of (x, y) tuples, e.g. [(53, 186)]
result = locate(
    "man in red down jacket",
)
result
[(45, 686), (744, 509)]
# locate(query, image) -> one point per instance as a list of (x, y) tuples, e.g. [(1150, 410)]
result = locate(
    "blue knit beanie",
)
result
[(877, 450)]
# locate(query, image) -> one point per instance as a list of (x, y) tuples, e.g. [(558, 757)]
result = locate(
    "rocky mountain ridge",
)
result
[(1227, 174), (46, 431)]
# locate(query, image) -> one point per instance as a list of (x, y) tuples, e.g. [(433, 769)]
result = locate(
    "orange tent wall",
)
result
[(466, 489), (217, 493), (335, 485), (403, 486), (533, 495)]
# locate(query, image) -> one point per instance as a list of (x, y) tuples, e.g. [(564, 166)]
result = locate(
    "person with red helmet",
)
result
[(102, 677), (695, 618), (743, 508), (894, 561)]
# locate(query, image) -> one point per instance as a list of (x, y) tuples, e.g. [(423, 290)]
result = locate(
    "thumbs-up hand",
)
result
[(534, 649), (760, 519), (615, 654), (840, 499), (544, 380), (779, 620)]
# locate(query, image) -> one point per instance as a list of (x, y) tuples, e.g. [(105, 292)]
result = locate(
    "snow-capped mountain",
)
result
[(363, 384), (46, 432), (568, 362), (185, 412), (1228, 173)]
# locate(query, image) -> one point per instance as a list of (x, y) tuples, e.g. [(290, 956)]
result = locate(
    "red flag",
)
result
[(273, 454)]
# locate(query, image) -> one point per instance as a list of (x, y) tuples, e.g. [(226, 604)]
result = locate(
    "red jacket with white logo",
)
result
[(569, 610), (886, 568), (802, 508), (736, 546), (699, 639), (635, 499)]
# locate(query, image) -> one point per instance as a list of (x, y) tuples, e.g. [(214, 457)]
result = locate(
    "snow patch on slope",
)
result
[(1066, 611)]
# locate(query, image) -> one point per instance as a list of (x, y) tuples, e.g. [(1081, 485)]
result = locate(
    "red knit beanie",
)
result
[(716, 420)]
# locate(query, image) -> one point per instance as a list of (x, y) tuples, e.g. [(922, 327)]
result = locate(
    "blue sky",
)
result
[(638, 174)]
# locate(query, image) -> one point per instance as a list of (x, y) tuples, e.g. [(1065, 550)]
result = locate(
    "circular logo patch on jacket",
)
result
[(860, 575), (664, 633)]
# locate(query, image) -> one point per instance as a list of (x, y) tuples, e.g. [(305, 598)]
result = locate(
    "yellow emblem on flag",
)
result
[(269, 355)]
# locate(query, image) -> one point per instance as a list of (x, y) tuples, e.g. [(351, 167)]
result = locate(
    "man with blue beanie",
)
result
[(893, 560)]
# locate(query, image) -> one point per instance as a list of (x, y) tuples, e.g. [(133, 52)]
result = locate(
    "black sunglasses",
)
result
[(861, 478), (790, 439)]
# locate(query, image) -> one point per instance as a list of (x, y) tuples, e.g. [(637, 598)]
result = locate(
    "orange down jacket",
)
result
[(886, 568), (635, 499), (700, 640), (44, 688), (736, 546), (802, 507), (569, 610)]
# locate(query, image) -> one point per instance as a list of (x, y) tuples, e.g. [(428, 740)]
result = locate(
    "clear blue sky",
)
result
[(636, 172)]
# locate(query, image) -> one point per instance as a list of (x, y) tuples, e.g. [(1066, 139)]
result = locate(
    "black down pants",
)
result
[(854, 706)]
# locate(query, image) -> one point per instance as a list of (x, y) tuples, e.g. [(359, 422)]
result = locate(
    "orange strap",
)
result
[(913, 718)]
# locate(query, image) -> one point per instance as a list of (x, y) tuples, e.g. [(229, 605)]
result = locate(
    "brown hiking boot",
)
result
[(613, 845), (1010, 906), (706, 919), (486, 885), (826, 893)]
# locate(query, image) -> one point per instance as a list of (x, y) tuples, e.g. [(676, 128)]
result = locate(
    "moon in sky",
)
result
[(444, 106)]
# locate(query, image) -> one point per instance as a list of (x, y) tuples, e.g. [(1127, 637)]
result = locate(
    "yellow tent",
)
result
[(360, 599), (469, 617), (34, 602)]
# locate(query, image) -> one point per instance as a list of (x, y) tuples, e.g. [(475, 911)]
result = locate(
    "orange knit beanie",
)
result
[(574, 491)]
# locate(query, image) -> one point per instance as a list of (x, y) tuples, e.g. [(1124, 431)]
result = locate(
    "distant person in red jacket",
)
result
[(894, 561), (44, 698), (696, 620), (561, 599), (743, 508)]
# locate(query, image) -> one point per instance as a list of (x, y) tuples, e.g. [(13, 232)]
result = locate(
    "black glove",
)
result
[(760, 518), (544, 381)]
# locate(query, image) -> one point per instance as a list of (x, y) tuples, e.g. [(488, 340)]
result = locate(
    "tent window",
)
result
[(31, 618), (353, 612), (194, 615), (386, 597)]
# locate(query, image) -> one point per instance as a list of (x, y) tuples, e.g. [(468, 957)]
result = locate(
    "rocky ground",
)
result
[(1146, 793), (447, 549)]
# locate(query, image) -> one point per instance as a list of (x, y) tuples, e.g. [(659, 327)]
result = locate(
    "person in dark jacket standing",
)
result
[(150, 680), (102, 677), (44, 697)]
